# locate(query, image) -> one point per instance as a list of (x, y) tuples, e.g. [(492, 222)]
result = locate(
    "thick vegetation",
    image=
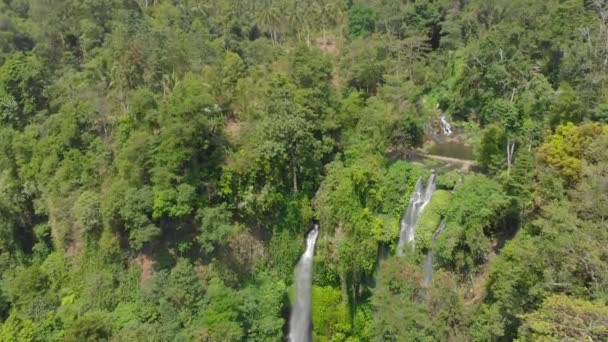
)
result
[(161, 162)]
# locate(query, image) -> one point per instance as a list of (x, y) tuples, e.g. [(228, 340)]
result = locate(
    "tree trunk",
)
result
[(294, 168), (307, 38), (388, 31), (295, 178), (344, 287), (354, 289), (510, 151)]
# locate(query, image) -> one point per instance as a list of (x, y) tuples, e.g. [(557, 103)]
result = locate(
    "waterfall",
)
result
[(300, 320), (428, 269), (428, 262), (409, 217), (419, 200), (446, 128), (439, 229)]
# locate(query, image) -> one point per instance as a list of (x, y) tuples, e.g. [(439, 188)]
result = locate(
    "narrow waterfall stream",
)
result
[(418, 201), (428, 262), (446, 128), (300, 320), (409, 216)]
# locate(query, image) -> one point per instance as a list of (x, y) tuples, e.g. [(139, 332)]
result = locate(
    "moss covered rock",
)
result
[(430, 219)]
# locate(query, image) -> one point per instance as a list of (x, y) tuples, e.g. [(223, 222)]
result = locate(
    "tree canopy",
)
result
[(162, 161)]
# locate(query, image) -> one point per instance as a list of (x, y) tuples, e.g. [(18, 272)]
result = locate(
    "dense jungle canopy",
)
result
[(162, 161)]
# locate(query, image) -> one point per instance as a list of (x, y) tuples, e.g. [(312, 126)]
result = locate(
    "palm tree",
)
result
[(268, 18), (306, 12), (295, 19), (328, 12)]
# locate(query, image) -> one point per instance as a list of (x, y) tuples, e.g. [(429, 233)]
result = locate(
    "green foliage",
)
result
[(475, 213), (362, 204), (590, 196), (431, 218), (25, 288), (567, 107), (564, 318), (136, 213), (214, 227), (364, 65), (491, 152), (15, 329), (220, 315), (331, 321), (563, 149), (160, 164), (407, 135), (549, 256), (91, 327), (87, 212), (447, 308), (22, 83), (397, 185), (363, 323), (183, 288), (399, 286), (262, 305), (360, 21), (7, 227), (311, 69), (449, 180), (174, 202)]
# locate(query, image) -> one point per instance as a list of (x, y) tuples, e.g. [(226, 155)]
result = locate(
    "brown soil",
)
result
[(244, 253), (476, 291), (74, 248), (464, 164), (146, 263), (328, 44), (233, 129)]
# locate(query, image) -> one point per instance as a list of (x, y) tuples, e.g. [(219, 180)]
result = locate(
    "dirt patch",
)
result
[(233, 129), (444, 163), (328, 44), (146, 264), (74, 248), (452, 163), (244, 253), (476, 291), (75, 244)]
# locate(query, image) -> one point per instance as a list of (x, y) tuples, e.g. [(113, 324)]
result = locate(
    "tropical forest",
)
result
[(303, 170)]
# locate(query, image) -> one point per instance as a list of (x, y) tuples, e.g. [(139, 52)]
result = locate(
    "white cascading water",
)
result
[(428, 262), (419, 200), (446, 128), (300, 320), (409, 217)]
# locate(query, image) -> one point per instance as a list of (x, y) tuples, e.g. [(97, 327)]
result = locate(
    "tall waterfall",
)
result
[(428, 262), (300, 320), (419, 200)]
